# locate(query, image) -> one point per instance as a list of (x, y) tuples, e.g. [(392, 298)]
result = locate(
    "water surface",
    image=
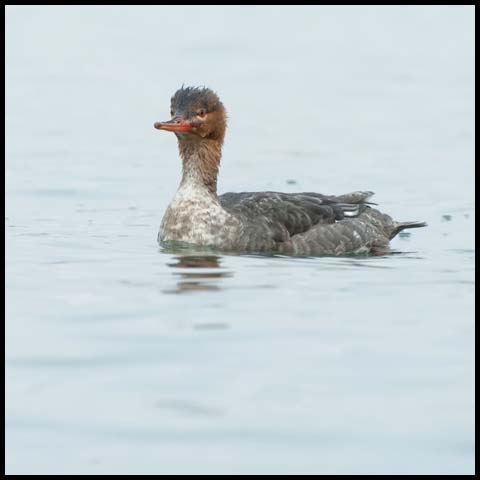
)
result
[(123, 358)]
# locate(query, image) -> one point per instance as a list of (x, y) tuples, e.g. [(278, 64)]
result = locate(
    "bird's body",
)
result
[(287, 223)]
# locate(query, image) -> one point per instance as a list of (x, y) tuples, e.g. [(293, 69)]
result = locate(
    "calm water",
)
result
[(123, 358)]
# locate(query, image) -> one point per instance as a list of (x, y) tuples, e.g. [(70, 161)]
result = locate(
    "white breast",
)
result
[(196, 216)]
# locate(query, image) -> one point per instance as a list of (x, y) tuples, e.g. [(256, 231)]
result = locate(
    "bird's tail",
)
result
[(399, 226)]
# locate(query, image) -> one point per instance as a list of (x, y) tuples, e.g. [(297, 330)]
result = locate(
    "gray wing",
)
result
[(295, 212)]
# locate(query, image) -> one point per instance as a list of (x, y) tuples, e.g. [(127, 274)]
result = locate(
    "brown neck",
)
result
[(201, 161)]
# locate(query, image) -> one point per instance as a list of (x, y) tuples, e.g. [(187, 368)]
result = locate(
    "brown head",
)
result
[(197, 113), (199, 121)]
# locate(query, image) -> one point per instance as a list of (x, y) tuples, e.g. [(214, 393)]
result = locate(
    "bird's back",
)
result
[(310, 223)]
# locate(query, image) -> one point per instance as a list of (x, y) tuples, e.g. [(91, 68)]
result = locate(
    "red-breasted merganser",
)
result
[(286, 223)]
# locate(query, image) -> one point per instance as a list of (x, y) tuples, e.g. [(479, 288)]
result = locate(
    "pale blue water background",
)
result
[(123, 359)]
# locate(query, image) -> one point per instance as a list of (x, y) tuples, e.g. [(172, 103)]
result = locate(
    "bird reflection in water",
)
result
[(198, 273)]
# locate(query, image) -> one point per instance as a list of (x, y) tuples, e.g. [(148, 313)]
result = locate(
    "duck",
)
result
[(294, 224)]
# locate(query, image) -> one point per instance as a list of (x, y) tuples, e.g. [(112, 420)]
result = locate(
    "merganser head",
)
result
[(196, 113)]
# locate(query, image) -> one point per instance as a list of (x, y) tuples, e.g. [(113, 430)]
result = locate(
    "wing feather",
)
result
[(295, 212)]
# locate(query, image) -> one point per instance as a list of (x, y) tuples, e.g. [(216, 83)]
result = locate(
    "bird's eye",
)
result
[(201, 113), (171, 113)]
